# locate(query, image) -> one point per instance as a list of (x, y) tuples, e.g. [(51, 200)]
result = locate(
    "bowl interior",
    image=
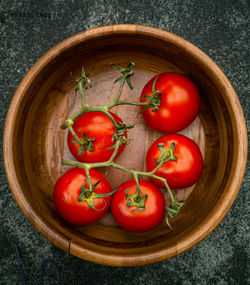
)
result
[(39, 144)]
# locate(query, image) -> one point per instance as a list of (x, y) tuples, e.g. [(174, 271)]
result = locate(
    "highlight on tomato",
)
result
[(185, 167), (173, 102), (138, 211), (97, 135), (75, 202)]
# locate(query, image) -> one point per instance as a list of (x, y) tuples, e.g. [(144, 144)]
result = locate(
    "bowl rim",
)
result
[(215, 216)]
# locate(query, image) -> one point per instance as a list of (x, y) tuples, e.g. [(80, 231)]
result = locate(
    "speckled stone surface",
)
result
[(221, 29)]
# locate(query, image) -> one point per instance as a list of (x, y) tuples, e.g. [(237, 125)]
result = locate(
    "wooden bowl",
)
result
[(34, 144)]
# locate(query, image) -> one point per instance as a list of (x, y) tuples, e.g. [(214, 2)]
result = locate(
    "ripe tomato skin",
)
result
[(96, 125), (181, 173), (139, 220), (67, 192), (180, 103)]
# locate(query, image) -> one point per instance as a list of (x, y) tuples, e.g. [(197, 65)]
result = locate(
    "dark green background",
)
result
[(221, 30)]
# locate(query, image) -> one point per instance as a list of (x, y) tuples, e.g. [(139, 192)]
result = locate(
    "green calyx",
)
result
[(83, 80), (88, 196), (166, 154), (119, 135), (84, 142), (138, 199), (173, 211), (154, 99), (121, 129), (126, 73)]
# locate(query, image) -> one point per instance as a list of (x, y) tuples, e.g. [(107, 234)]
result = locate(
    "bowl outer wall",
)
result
[(239, 155)]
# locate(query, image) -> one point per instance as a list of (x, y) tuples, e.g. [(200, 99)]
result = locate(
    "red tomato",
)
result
[(179, 102), (138, 220), (180, 173), (97, 126), (67, 192)]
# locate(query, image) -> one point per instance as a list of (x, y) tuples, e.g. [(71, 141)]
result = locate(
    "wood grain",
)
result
[(34, 144)]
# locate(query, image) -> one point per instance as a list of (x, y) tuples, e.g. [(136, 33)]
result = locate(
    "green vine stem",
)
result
[(138, 198), (117, 98), (95, 164), (128, 102), (135, 173), (82, 82), (69, 125)]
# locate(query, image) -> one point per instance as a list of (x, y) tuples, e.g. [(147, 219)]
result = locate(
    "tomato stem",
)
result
[(138, 190), (82, 94), (74, 134), (135, 173), (96, 164), (128, 102), (116, 100), (86, 168), (83, 82)]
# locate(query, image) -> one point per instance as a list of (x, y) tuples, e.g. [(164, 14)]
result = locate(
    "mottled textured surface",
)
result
[(220, 29)]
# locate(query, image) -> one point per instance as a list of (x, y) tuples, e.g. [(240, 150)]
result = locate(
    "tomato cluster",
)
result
[(169, 103)]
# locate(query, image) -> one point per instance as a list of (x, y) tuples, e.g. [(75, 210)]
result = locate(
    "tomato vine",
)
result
[(119, 139)]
